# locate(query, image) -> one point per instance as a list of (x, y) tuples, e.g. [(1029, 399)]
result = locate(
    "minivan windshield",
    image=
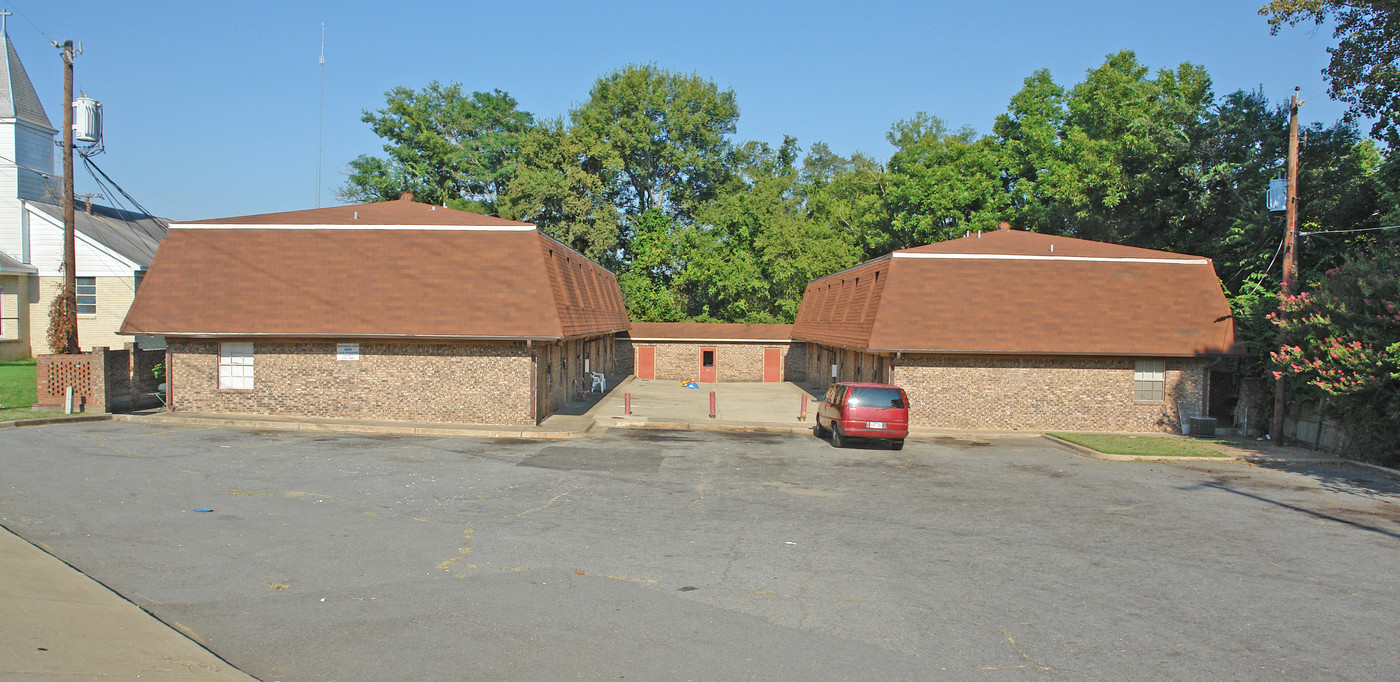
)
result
[(867, 396)]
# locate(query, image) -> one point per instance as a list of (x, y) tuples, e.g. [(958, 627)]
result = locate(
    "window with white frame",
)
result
[(236, 365), (1150, 381), (87, 295)]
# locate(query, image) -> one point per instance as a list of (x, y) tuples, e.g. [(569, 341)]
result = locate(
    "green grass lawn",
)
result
[(19, 390), (1140, 446)]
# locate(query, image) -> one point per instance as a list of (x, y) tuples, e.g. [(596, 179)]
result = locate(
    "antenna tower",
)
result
[(321, 115)]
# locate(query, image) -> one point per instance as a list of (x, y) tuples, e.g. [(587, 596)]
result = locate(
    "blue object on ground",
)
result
[(203, 509), (692, 385)]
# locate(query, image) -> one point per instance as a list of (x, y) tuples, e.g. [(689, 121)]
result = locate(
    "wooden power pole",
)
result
[(1290, 250), (70, 267)]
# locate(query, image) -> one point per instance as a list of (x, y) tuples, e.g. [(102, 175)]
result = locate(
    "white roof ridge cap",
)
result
[(324, 226), (1185, 260)]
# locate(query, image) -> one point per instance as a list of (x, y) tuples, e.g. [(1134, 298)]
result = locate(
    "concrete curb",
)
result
[(45, 421), (350, 427)]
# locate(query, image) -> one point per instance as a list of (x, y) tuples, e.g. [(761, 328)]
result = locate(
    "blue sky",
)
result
[(211, 109)]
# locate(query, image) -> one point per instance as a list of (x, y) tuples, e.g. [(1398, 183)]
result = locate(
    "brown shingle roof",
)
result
[(1008, 293), (709, 331), (441, 280)]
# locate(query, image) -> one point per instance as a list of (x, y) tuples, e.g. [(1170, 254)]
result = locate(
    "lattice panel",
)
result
[(64, 373)]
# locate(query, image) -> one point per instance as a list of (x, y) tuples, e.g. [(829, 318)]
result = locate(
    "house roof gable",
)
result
[(134, 236)]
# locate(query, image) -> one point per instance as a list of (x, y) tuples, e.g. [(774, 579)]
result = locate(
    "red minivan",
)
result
[(864, 410)]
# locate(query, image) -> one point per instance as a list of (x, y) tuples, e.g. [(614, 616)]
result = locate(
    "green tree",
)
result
[(1364, 70), (1113, 158), (1245, 146), (648, 274), (846, 196), (657, 138), (554, 189), (444, 146), (1344, 348), (941, 183), (751, 251)]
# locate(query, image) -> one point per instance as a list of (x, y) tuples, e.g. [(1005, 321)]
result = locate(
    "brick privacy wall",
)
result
[(560, 376), (1070, 393), (143, 362), (116, 374), (85, 372), (734, 361), (114, 297), (484, 383)]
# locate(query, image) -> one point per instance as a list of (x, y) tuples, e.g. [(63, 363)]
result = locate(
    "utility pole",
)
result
[(70, 281), (1290, 249)]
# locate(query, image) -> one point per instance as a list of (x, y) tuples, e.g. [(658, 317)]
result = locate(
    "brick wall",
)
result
[(485, 383), (85, 373), (850, 365), (560, 374), (735, 361), (1035, 393), (795, 362), (1069, 393)]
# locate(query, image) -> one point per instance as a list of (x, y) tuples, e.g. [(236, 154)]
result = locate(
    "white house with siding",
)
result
[(113, 247)]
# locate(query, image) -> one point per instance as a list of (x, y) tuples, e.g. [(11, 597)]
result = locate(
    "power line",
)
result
[(1359, 229)]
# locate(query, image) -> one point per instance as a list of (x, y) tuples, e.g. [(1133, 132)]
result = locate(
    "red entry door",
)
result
[(707, 365), (646, 362), (772, 364)]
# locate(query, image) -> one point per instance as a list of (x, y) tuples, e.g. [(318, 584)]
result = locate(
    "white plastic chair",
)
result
[(600, 382)]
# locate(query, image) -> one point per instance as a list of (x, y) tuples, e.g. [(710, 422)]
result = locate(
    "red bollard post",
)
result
[(802, 417), (627, 404), (712, 404)]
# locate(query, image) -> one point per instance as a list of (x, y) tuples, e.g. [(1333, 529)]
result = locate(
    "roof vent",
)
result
[(406, 196)]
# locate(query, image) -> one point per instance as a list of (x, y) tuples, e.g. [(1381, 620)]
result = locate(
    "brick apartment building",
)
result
[(1019, 330), (392, 310)]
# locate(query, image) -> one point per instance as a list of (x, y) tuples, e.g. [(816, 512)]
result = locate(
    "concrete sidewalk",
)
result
[(56, 623)]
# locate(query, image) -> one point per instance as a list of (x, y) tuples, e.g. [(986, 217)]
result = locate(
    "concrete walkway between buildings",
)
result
[(657, 404), (61, 624)]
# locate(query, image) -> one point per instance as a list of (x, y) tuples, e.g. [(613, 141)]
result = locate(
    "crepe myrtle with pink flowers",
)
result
[(1343, 346)]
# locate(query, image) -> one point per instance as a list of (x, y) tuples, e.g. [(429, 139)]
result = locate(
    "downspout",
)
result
[(897, 356), (534, 381)]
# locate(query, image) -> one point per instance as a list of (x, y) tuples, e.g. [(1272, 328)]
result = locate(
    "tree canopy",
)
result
[(1364, 70), (444, 146), (645, 177)]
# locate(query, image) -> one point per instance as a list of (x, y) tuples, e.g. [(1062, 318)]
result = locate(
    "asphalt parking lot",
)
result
[(682, 555)]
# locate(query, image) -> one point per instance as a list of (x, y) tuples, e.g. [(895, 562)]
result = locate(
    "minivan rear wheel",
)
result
[(897, 444), (836, 440)]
